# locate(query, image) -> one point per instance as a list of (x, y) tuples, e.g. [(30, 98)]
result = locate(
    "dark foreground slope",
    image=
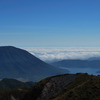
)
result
[(9, 84), (20, 64), (12, 89), (60, 87), (66, 87)]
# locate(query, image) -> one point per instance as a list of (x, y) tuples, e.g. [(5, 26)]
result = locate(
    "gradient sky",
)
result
[(50, 23)]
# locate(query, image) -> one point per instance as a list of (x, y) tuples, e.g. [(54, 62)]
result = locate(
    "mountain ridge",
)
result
[(77, 63), (80, 86), (19, 63)]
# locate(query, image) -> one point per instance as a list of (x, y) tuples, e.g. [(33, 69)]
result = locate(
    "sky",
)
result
[(50, 23)]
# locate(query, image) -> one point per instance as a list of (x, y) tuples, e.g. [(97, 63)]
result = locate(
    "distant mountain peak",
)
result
[(18, 63), (8, 47)]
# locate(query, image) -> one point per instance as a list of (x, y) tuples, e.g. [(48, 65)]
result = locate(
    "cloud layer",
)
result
[(60, 53)]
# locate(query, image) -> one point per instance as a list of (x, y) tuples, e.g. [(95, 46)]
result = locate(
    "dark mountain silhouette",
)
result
[(20, 64), (94, 58), (77, 63), (9, 84)]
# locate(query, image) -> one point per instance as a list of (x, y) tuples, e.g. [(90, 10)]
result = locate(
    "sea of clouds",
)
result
[(51, 54)]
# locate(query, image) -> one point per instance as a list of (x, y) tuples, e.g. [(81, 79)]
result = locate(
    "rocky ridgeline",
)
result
[(55, 85)]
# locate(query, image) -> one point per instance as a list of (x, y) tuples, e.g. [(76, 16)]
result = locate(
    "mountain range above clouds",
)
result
[(90, 63)]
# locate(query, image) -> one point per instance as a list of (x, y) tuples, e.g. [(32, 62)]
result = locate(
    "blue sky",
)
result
[(50, 23)]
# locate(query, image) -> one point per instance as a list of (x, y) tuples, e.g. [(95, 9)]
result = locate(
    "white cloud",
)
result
[(60, 53)]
